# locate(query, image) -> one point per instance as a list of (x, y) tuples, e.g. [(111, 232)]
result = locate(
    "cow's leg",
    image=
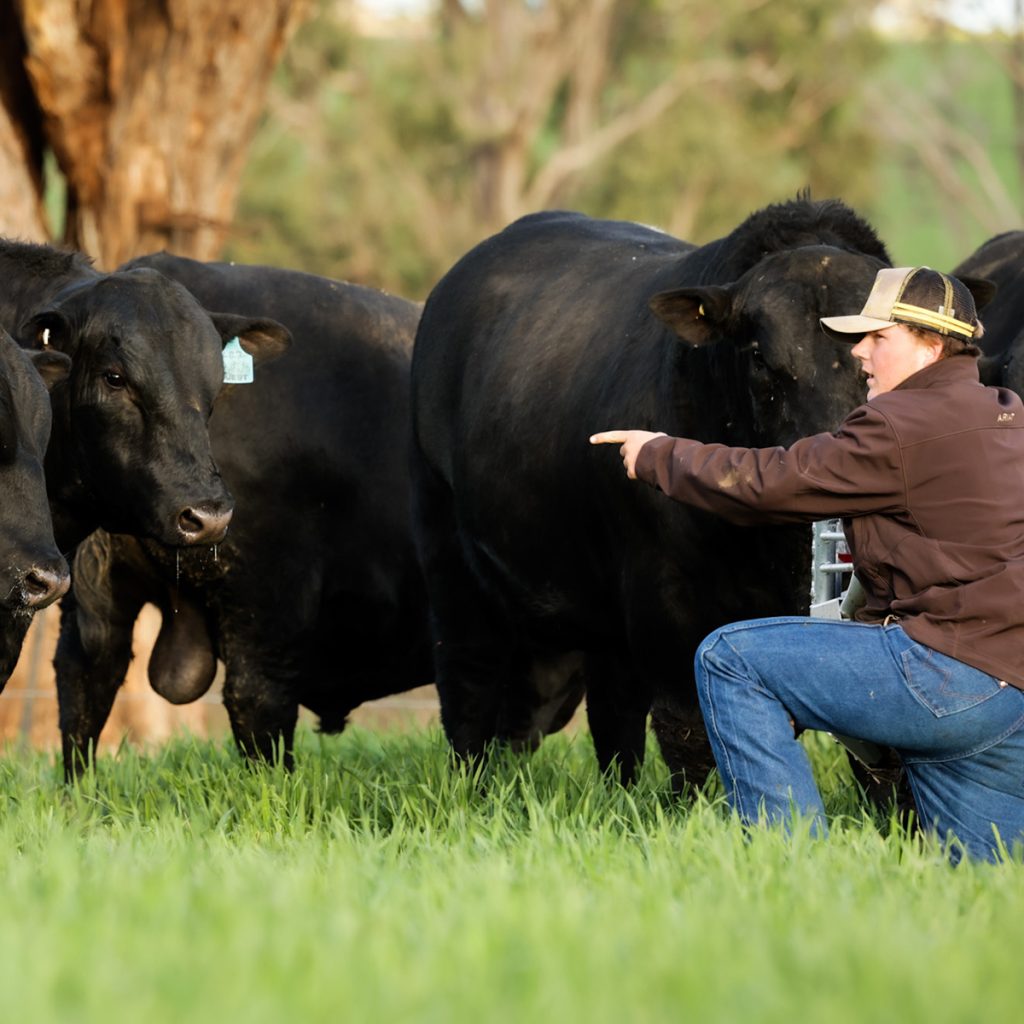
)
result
[(884, 782), (542, 699), (617, 707), (472, 638), (93, 652), (473, 678), (683, 741), (260, 698)]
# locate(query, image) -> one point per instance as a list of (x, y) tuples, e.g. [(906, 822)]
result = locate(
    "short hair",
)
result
[(952, 344)]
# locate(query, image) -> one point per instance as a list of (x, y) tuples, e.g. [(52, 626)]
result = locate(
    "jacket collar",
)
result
[(951, 370)]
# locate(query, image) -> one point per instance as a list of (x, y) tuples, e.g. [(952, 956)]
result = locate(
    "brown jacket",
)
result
[(929, 481)]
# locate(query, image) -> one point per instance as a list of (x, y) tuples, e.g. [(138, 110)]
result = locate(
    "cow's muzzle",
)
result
[(42, 584), (206, 523)]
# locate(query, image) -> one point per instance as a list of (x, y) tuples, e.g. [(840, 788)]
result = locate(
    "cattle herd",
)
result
[(404, 495)]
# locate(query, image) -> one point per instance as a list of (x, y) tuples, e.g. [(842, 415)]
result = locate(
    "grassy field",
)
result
[(376, 883)]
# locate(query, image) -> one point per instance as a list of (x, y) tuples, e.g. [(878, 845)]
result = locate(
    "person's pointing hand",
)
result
[(630, 440)]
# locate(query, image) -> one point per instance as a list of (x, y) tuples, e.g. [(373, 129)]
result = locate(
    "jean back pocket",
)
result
[(944, 685)]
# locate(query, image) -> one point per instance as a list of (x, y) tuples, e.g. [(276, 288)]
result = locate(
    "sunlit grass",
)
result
[(377, 882)]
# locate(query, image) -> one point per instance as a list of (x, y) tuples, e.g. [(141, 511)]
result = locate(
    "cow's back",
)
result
[(533, 327), (1001, 261)]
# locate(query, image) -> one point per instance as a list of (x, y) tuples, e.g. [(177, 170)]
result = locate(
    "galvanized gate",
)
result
[(831, 568)]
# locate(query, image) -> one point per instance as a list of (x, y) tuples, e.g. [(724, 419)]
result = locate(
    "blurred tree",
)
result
[(401, 151), (148, 106), (21, 141), (949, 114), (776, 106)]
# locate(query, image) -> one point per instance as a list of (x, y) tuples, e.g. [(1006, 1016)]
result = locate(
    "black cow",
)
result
[(1000, 261), (33, 572), (549, 573), (315, 597), (129, 448)]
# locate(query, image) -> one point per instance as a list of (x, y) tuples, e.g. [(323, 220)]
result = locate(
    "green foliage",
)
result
[(380, 883), (964, 82), (375, 161), (380, 159), (775, 116)]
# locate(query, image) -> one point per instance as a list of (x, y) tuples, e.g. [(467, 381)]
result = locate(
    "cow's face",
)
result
[(778, 376), (32, 572), (130, 444)]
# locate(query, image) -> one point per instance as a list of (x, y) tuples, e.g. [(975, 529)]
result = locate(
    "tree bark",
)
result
[(149, 106), (21, 140)]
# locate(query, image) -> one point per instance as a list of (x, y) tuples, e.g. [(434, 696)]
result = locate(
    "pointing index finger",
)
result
[(609, 437)]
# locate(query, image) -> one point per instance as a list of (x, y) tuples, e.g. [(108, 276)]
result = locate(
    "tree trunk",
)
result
[(21, 140), (149, 106)]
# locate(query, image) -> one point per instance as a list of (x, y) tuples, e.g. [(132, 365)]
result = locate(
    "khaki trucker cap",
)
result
[(910, 295)]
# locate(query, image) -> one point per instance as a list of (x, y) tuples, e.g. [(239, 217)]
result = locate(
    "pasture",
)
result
[(376, 883)]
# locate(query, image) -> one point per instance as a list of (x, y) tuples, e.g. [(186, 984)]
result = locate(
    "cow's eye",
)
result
[(753, 350), (114, 380)]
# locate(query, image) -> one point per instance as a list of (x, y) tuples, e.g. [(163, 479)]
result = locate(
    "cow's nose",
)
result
[(43, 584), (203, 524)]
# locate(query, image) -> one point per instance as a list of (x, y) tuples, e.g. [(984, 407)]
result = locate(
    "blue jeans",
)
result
[(959, 731)]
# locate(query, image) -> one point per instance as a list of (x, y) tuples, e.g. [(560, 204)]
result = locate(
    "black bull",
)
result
[(128, 448), (315, 597), (549, 573), (33, 573), (1000, 262)]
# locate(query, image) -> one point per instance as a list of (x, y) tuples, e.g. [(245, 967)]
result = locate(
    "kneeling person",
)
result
[(927, 478)]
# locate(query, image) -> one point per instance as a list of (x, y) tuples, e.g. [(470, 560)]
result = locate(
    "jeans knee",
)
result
[(715, 662), (708, 643), (715, 649)]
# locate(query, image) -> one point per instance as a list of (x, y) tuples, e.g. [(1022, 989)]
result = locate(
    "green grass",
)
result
[(376, 883)]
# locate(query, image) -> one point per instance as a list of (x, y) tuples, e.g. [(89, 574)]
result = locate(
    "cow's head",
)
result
[(32, 571), (130, 449), (775, 375)]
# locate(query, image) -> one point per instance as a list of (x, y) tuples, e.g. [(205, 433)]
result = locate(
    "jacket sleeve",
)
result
[(855, 471)]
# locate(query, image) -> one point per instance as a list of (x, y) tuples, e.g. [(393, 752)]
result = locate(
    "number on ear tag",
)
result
[(237, 364)]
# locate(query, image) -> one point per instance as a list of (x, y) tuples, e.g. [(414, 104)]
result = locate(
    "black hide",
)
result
[(550, 574), (1000, 263), (315, 597), (129, 448), (33, 573)]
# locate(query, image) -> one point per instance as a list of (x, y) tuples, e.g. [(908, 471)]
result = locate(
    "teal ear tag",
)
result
[(237, 364)]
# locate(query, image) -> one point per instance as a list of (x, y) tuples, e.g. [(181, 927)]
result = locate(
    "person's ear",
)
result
[(934, 347)]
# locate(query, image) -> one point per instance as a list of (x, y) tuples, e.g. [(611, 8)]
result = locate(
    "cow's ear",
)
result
[(263, 339), (51, 365), (695, 314), (48, 329), (982, 290)]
